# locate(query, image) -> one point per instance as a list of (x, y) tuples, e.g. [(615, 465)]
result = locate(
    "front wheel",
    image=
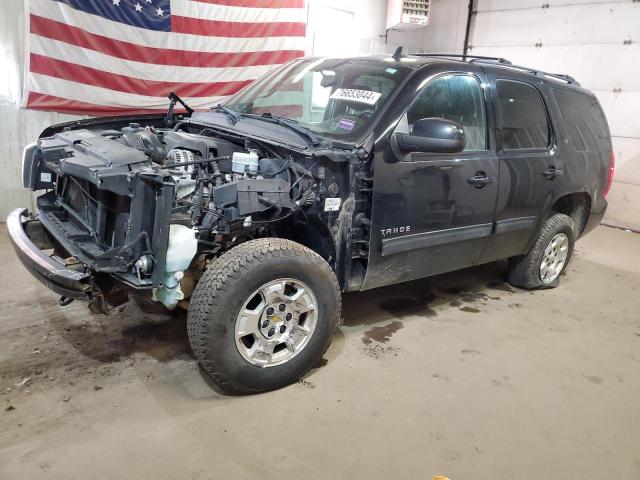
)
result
[(549, 256), (263, 315)]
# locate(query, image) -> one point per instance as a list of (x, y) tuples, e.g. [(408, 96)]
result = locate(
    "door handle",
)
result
[(480, 179), (551, 172)]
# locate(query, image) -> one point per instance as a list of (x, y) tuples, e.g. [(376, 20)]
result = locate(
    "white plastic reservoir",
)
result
[(241, 162), (183, 246)]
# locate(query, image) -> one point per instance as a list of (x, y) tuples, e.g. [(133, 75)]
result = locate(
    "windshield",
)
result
[(338, 98)]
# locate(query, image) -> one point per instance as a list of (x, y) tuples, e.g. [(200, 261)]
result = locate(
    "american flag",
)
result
[(106, 57)]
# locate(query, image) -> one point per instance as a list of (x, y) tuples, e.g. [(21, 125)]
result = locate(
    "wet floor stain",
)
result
[(594, 379), (502, 286), (455, 303), (406, 306), (381, 334), (474, 297), (504, 381), (470, 351), (470, 310)]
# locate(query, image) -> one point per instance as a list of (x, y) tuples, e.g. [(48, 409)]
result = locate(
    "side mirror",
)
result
[(433, 135)]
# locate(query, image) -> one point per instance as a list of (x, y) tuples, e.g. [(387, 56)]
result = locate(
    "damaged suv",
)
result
[(324, 176)]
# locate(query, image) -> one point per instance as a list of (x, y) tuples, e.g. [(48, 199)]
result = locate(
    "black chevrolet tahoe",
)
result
[(326, 175)]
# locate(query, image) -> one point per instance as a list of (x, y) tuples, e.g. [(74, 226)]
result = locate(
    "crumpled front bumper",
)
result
[(47, 269)]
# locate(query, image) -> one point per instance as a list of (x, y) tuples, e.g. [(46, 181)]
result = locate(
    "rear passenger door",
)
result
[(530, 167)]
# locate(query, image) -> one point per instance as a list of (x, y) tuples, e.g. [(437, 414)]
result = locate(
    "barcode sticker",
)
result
[(45, 177)]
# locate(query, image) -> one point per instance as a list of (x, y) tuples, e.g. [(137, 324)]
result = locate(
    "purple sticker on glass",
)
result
[(346, 124)]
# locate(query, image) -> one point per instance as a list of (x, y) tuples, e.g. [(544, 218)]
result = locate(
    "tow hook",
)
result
[(64, 301)]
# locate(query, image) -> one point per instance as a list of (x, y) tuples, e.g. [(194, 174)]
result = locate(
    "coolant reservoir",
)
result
[(241, 162)]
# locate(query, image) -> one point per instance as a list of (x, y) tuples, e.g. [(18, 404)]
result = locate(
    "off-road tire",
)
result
[(524, 270), (224, 288)]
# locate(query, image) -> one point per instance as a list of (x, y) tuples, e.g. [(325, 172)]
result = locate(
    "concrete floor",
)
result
[(458, 375)]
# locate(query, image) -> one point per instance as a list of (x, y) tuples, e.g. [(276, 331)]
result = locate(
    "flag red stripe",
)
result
[(257, 3), (42, 101), (216, 28), (289, 111), (159, 56), (121, 83)]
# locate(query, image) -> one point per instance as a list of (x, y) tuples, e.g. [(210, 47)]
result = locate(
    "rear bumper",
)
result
[(49, 271)]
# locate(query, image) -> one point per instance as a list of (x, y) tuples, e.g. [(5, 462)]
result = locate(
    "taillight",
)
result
[(612, 168)]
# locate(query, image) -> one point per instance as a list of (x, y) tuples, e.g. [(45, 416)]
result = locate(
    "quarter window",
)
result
[(585, 122), (457, 98), (523, 117)]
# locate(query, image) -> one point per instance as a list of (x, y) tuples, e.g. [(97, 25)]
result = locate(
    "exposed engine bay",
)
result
[(141, 204)]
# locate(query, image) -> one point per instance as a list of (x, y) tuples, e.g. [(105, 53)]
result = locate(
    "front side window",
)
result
[(523, 118), (338, 98), (457, 98)]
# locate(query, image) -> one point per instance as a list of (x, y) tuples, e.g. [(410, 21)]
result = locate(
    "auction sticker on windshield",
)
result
[(361, 96), (346, 124)]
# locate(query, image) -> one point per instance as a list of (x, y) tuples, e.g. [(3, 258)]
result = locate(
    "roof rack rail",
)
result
[(501, 61), (563, 76), (464, 57), (541, 74)]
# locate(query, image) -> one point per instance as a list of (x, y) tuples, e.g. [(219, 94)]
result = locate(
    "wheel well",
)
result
[(577, 206), (314, 235)]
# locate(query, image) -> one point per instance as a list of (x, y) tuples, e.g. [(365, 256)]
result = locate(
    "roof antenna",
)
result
[(397, 55)]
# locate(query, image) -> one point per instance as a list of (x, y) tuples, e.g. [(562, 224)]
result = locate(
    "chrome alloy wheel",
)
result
[(554, 258), (276, 322)]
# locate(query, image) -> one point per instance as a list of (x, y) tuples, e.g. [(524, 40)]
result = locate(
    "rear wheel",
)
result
[(263, 315), (547, 260)]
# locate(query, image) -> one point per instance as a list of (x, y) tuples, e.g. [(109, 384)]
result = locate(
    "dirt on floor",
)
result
[(458, 375)]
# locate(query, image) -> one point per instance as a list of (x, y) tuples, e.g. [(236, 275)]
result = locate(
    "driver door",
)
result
[(434, 212)]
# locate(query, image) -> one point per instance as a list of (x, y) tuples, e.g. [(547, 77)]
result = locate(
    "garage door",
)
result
[(598, 43)]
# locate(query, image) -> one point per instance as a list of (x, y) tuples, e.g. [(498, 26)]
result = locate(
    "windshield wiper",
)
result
[(232, 114), (312, 139)]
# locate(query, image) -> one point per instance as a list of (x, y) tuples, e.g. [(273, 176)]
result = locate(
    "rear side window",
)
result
[(585, 122), (523, 117)]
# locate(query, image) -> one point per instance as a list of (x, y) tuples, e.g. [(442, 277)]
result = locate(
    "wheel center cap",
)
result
[(276, 320)]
